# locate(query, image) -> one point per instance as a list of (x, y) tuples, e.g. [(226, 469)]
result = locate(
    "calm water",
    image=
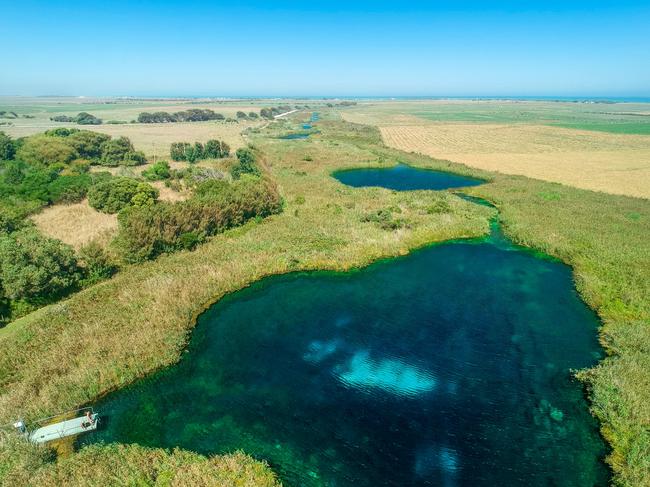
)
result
[(446, 367), (296, 135), (403, 177)]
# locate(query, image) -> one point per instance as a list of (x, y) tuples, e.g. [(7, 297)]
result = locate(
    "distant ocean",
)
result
[(576, 99)]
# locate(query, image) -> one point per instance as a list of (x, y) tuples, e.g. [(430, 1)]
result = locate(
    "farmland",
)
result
[(558, 142), (153, 139)]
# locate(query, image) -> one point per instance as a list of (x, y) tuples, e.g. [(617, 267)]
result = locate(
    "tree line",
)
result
[(191, 115), (83, 118), (213, 149)]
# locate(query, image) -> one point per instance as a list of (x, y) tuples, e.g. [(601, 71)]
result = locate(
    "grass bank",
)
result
[(605, 240)]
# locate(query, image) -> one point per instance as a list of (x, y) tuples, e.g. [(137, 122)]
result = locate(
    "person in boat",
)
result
[(89, 420)]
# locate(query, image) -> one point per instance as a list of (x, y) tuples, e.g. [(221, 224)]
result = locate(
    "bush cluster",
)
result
[(83, 118), (269, 113), (146, 232), (191, 115), (114, 194), (246, 163), (63, 145), (213, 149), (157, 172), (33, 266)]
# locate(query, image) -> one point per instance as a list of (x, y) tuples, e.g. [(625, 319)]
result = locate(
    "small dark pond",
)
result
[(295, 136), (404, 178)]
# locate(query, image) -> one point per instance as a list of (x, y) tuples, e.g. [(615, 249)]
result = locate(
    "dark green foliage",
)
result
[(61, 132), (157, 172), (178, 150), (83, 118), (69, 188), (210, 188), (213, 149), (62, 145), (120, 151), (165, 227), (191, 115), (246, 163), (384, 219), (194, 153), (266, 113), (7, 147), (63, 118), (97, 264), (87, 119), (242, 115), (253, 115), (88, 144), (33, 266), (114, 194), (45, 150), (14, 211)]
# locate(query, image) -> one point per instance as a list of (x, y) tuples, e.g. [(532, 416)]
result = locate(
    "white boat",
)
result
[(49, 429)]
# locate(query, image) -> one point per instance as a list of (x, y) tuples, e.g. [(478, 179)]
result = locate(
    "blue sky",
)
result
[(325, 48)]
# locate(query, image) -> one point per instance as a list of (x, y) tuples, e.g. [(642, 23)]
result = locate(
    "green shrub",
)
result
[(69, 188), (97, 264), (178, 151), (34, 266), (7, 147), (120, 152), (157, 172), (112, 195), (45, 150), (88, 144), (246, 163), (165, 227), (84, 118)]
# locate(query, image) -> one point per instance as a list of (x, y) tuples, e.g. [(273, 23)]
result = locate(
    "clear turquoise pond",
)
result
[(404, 178), (447, 367)]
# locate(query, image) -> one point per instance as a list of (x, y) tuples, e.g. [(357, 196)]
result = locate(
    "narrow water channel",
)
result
[(449, 366)]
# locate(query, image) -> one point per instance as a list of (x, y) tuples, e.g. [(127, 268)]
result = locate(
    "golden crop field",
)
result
[(613, 163), (617, 163)]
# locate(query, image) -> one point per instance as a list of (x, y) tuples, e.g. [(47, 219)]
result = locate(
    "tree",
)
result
[(7, 147), (34, 266), (97, 264), (246, 163), (242, 115), (85, 118), (112, 195), (266, 113), (120, 151), (87, 144), (178, 151), (216, 149), (46, 150), (253, 115)]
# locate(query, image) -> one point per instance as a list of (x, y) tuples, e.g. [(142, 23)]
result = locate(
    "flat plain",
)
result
[(558, 142)]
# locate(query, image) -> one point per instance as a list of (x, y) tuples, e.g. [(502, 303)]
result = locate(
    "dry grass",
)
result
[(155, 138), (168, 194), (76, 224), (613, 163)]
